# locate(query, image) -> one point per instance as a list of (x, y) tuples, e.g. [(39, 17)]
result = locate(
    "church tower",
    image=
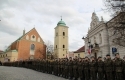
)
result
[(61, 40)]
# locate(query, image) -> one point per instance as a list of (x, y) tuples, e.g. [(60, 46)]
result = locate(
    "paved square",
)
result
[(15, 73)]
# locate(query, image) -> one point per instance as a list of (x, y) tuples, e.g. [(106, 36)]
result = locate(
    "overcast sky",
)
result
[(15, 15)]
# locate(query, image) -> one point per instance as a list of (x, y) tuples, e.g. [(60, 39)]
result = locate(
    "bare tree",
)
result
[(117, 24), (115, 6), (49, 49)]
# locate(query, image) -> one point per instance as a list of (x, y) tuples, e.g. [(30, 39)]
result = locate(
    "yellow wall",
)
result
[(12, 55), (80, 53), (61, 40)]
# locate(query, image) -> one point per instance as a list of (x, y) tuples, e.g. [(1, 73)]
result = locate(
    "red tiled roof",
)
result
[(82, 49)]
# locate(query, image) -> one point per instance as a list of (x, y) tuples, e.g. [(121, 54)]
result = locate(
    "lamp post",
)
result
[(89, 43)]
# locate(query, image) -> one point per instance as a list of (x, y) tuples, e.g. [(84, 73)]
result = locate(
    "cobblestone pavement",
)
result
[(14, 73)]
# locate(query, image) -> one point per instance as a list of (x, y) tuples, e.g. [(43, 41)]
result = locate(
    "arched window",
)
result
[(32, 47), (94, 39), (63, 46), (38, 40), (27, 37), (100, 37), (33, 37), (63, 33), (56, 34)]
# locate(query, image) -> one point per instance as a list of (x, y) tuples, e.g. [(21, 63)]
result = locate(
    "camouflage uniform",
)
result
[(108, 67), (66, 69), (70, 65), (80, 69), (118, 68), (124, 69), (86, 69), (100, 70), (75, 69), (93, 69)]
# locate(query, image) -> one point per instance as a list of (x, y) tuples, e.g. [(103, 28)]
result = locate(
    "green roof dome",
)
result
[(61, 23)]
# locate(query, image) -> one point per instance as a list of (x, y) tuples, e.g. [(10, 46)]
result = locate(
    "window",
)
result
[(63, 33), (32, 47), (63, 54), (100, 37), (38, 40), (63, 46), (56, 34), (79, 55), (27, 37), (56, 46), (94, 39), (6, 54), (33, 38)]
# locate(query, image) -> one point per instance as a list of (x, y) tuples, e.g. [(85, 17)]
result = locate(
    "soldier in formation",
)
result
[(78, 68)]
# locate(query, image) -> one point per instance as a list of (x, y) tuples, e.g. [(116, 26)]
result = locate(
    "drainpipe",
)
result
[(108, 38)]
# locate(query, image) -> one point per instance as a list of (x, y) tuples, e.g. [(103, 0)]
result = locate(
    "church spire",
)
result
[(61, 18), (102, 18), (24, 31)]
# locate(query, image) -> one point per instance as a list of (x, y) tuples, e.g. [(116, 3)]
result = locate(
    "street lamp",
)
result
[(89, 43)]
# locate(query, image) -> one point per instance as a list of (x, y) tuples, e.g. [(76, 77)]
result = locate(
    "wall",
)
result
[(81, 54)]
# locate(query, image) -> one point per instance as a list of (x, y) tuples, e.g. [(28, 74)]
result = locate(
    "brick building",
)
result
[(29, 46)]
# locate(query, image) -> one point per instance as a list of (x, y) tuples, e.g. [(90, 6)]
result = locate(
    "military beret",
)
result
[(92, 57), (86, 57), (108, 55), (116, 54), (99, 57)]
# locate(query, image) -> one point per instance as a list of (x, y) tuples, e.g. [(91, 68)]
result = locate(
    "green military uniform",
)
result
[(93, 69), (63, 66), (108, 67), (59, 67), (75, 69), (124, 69), (70, 65), (118, 68), (66, 69), (100, 70), (80, 69), (86, 69)]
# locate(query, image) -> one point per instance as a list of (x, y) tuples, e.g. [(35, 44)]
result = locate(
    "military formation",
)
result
[(78, 68)]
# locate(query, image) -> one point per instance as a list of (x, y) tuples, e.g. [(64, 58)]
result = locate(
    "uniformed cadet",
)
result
[(75, 68), (93, 68), (113, 72), (59, 67), (86, 68), (55, 67), (124, 68), (108, 67), (80, 68), (100, 69), (70, 65), (63, 67), (66, 69), (83, 60), (118, 67)]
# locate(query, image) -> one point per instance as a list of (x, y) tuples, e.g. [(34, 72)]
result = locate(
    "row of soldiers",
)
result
[(83, 68)]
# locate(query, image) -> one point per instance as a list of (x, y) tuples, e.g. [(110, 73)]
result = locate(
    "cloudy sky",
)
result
[(15, 15)]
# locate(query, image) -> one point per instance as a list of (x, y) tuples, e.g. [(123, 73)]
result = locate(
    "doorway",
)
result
[(95, 55)]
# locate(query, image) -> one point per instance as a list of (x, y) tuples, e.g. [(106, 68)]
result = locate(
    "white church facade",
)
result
[(98, 40)]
